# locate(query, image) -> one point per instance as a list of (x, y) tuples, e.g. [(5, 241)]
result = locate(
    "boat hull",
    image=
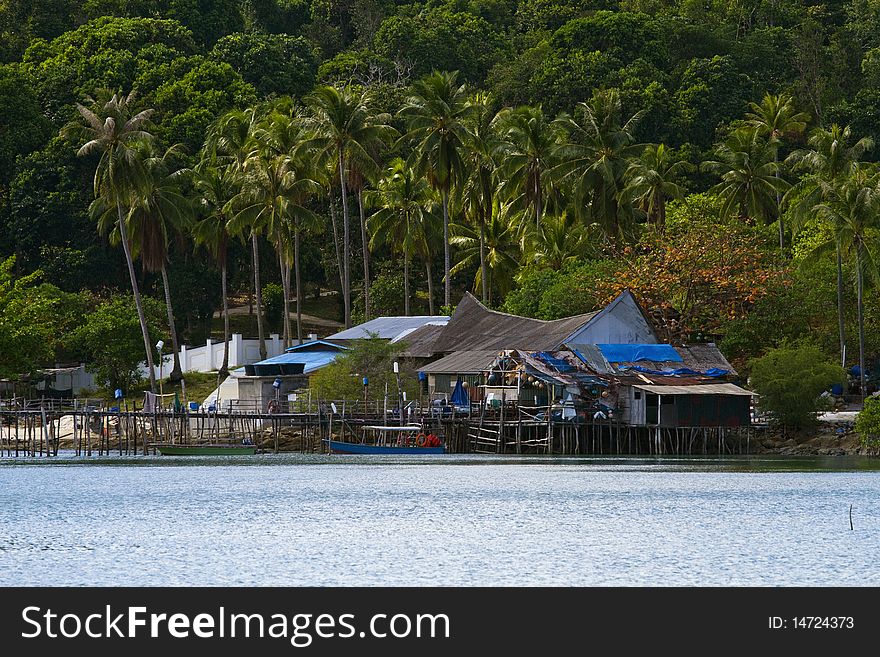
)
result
[(339, 447), (206, 450)]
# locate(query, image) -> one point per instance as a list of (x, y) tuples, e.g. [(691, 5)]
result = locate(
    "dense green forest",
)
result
[(716, 158)]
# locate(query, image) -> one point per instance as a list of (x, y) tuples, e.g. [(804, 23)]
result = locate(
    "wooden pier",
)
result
[(40, 428)]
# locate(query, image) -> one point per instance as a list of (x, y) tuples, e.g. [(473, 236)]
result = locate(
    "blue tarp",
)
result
[(681, 371), (459, 395), (631, 353), (558, 364)]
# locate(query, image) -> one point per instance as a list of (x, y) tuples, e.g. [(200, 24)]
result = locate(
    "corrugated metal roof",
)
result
[(473, 327), (700, 389), (420, 342), (387, 328), (312, 360), (462, 362)]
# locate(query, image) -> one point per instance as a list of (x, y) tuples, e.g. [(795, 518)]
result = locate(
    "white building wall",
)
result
[(621, 322)]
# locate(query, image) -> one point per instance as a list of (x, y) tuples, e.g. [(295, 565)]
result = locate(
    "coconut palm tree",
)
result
[(214, 187), (229, 140), (159, 212), (528, 149), (596, 157), (559, 240), (112, 129), (652, 182), (402, 201), (776, 118), (436, 115), (853, 211), (831, 159), (747, 167), (477, 191), (343, 127), (502, 242), (277, 186)]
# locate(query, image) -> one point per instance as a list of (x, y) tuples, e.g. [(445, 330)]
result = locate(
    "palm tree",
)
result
[(529, 148), (559, 240), (830, 160), (160, 211), (112, 130), (436, 115), (477, 191), (213, 187), (277, 184), (748, 168), (652, 181), (502, 241), (344, 127), (229, 140), (777, 118), (853, 211), (402, 200), (597, 156)]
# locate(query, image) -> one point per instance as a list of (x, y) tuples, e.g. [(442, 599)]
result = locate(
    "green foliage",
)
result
[(868, 423), (437, 39), (23, 127), (372, 358), (111, 343), (386, 293), (789, 381), (35, 321), (273, 63), (273, 300)]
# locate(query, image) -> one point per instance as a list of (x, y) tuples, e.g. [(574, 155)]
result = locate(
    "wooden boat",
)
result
[(388, 440), (167, 449)]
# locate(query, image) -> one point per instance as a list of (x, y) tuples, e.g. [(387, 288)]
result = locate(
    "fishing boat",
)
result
[(409, 439), (232, 449)]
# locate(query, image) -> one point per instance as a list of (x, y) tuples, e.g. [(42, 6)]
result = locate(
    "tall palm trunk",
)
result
[(346, 246), (446, 267), (430, 286), (258, 296), (484, 271), (336, 241), (299, 319), (841, 325), (366, 245), (138, 302), (538, 205), (406, 283), (176, 371), (861, 311), (224, 368), (285, 286), (661, 215)]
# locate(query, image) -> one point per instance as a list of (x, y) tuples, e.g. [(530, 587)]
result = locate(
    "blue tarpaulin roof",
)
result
[(312, 360), (631, 353), (681, 371)]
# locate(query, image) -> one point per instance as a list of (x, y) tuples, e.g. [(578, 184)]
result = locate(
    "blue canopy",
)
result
[(681, 371), (459, 395), (631, 353)]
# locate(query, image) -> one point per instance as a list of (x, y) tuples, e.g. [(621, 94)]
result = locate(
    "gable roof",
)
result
[(420, 342), (474, 327), (387, 328), (462, 362), (315, 345)]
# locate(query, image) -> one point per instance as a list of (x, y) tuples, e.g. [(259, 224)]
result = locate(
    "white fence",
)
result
[(208, 358)]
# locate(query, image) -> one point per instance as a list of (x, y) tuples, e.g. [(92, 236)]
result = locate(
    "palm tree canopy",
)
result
[(776, 117), (749, 184), (436, 115)]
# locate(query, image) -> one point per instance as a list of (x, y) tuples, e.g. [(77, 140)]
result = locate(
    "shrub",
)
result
[(273, 300), (868, 423), (790, 381)]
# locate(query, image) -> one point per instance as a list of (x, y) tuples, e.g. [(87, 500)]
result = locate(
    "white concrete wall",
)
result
[(209, 358)]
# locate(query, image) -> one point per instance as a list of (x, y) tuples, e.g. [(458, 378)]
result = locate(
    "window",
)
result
[(637, 394)]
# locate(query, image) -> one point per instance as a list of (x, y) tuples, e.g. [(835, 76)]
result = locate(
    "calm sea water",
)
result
[(299, 520)]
